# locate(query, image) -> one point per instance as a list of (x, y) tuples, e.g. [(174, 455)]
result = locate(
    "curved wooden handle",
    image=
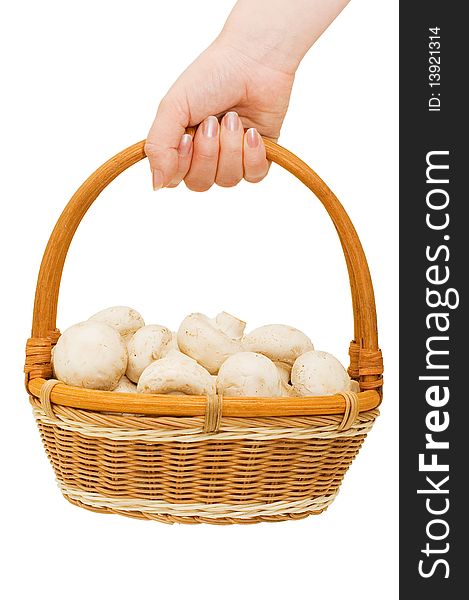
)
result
[(50, 274)]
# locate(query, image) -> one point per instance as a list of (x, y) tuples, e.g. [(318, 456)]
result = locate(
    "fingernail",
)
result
[(157, 177), (252, 138), (210, 127), (184, 148), (231, 121)]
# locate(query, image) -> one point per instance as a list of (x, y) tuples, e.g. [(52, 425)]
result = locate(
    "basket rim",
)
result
[(193, 406)]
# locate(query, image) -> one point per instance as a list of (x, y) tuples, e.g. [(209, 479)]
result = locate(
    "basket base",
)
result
[(159, 469), (171, 519)]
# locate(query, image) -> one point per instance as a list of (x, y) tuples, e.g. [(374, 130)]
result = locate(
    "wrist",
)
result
[(271, 47), (278, 33)]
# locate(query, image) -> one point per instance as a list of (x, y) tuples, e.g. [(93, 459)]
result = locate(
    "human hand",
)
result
[(246, 75), (222, 81)]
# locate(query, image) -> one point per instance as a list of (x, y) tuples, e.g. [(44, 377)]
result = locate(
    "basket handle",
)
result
[(364, 352)]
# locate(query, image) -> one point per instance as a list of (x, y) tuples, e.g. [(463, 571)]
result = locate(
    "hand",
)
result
[(224, 80), (246, 75)]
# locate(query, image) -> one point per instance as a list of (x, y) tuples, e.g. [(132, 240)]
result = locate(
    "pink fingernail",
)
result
[(252, 138), (231, 121), (157, 177), (185, 145), (210, 127)]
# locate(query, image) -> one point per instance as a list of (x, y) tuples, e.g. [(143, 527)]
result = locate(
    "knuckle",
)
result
[(231, 152), (207, 154), (152, 150), (255, 162)]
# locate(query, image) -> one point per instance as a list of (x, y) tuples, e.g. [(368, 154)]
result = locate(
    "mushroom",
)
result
[(354, 386), (210, 341), (90, 355), (249, 374), (147, 344), (176, 374), (288, 390), (280, 343), (317, 373), (125, 386), (231, 326), (284, 370), (123, 318), (173, 343)]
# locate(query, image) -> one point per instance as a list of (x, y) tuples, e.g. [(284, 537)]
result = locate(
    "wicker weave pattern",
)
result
[(169, 469), (151, 432), (208, 511)]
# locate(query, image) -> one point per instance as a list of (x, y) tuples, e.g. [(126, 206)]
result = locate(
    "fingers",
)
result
[(223, 154), (164, 140), (254, 159), (230, 159), (185, 150), (220, 153), (201, 175)]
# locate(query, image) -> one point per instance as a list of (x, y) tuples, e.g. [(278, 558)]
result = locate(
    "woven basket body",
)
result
[(189, 460)]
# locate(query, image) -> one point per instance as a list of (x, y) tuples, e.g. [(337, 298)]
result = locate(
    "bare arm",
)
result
[(246, 74)]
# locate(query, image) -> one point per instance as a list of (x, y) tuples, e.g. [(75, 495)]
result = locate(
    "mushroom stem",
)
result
[(207, 342), (230, 325)]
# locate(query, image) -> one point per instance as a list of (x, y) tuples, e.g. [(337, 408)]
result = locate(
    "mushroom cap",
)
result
[(280, 343), (176, 373), (126, 386), (147, 344), (203, 340), (317, 373), (90, 355), (249, 374), (123, 318)]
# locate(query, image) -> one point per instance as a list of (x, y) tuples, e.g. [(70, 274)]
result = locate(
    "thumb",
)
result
[(163, 140)]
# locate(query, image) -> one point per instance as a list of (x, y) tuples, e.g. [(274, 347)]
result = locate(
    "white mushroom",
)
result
[(90, 355), (280, 343), (125, 386), (317, 373), (288, 390), (210, 341), (148, 343), (123, 318), (173, 344), (249, 374), (176, 373), (284, 370), (231, 326)]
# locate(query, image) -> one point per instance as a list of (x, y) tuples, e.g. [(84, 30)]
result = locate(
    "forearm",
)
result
[(278, 33)]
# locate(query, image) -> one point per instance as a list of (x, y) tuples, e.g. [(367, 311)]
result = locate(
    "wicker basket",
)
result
[(196, 459)]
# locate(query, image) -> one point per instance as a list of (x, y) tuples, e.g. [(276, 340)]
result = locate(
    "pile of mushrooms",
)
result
[(115, 350)]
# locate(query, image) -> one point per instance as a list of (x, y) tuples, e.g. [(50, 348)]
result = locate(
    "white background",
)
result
[(81, 81)]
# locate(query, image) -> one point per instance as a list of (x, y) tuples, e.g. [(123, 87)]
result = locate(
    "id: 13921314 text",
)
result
[(434, 69)]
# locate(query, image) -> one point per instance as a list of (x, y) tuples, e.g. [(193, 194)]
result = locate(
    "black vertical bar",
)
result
[(434, 264)]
